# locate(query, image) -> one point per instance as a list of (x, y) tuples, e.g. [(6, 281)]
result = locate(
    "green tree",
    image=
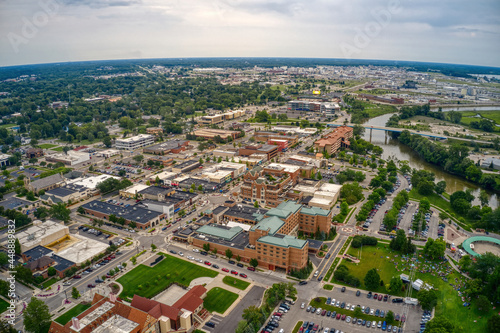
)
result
[(153, 247), (206, 247), (484, 198), (36, 316), (51, 271), (4, 259), (60, 212), (138, 158), (483, 304), (256, 204), (425, 205), (440, 187), (17, 247), (389, 317), (493, 324), (395, 284), (357, 312), (254, 262), (75, 293), (5, 327), (427, 298), (372, 279), (434, 248), (439, 324), (229, 254)]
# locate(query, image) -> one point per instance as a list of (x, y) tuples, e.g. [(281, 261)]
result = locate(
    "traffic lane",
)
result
[(230, 322), (335, 249)]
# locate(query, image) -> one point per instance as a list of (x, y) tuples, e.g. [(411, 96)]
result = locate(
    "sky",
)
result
[(448, 31)]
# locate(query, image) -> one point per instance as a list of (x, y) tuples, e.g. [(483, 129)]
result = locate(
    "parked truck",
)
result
[(413, 301)]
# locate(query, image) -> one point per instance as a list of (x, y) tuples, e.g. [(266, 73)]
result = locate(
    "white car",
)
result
[(348, 319), (318, 311), (181, 254), (190, 257), (67, 283), (353, 307), (303, 305), (196, 250), (327, 330)]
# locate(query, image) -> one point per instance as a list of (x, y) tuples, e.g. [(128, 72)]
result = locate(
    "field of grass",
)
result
[(449, 302), (57, 149), (47, 145), (73, 312), (219, 300), (49, 282), (3, 305), (148, 281), (237, 283), (328, 287)]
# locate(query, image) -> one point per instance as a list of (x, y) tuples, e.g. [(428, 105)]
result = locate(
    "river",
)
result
[(394, 149)]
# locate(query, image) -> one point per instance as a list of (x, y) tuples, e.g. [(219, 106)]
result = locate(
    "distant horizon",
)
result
[(55, 31), (403, 62)]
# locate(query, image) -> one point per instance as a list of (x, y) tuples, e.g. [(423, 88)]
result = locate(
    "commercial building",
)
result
[(186, 166), (156, 193), (220, 118), (266, 186), (267, 136), (107, 153), (391, 100), (315, 194), (39, 259), (71, 158), (34, 152), (225, 153), (133, 190), (41, 234), (304, 106), (4, 160), (164, 207), (173, 146), (287, 129), (164, 177), (210, 134), (332, 142), (163, 160), (271, 151), (67, 193), (24, 206), (143, 218), (135, 142), (154, 130), (90, 182), (206, 185)]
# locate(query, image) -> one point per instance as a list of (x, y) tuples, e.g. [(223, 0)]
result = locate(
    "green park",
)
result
[(219, 300), (148, 281)]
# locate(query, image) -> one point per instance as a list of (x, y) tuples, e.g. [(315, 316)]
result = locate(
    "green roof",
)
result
[(272, 223), (315, 211), (221, 232), (466, 243), (285, 241), (284, 209)]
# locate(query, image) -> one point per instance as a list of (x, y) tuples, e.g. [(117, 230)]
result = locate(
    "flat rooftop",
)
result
[(246, 212), (35, 234), (216, 233), (91, 182), (131, 213), (82, 250), (14, 203)]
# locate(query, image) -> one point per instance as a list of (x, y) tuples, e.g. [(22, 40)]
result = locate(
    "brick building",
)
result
[(266, 186), (332, 142), (271, 151)]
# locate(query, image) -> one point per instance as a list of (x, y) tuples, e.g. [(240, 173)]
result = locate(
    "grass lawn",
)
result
[(449, 302), (47, 145), (219, 300), (237, 283), (154, 280), (57, 149), (297, 326), (73, 312), (3, 305), (49, 282), (328, 287)]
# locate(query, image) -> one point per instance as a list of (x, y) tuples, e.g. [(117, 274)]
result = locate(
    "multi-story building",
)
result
[(268, 187), (271, 151), (266, 136), (34, 152), (154, 130), (269, 239), (135, 142), (71, 158), (210, 133), (333, 141)]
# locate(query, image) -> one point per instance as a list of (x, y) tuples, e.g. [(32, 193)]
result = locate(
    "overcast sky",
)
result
[(450, 31)]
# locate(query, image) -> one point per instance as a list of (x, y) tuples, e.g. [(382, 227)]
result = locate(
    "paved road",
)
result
[(230, 322)]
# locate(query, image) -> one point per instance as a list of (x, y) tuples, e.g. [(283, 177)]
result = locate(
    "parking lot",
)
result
[(349, 297)]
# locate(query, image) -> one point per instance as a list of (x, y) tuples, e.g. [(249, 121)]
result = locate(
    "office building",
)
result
[(135, 142), (332, 142)]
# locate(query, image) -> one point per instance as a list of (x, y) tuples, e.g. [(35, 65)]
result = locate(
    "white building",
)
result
[(91, 182), (138, 141), (71, 158)]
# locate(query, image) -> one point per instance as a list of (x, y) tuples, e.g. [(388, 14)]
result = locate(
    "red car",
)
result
[(277, 314), (343, 317), (225, 270), (323, 313), (251, 269), (112, 256), (375, 296), (77, 277), (234, 272), (208, 263), (338, 316), (243, 275), (91, 285), (315, 328), (380, 297)]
